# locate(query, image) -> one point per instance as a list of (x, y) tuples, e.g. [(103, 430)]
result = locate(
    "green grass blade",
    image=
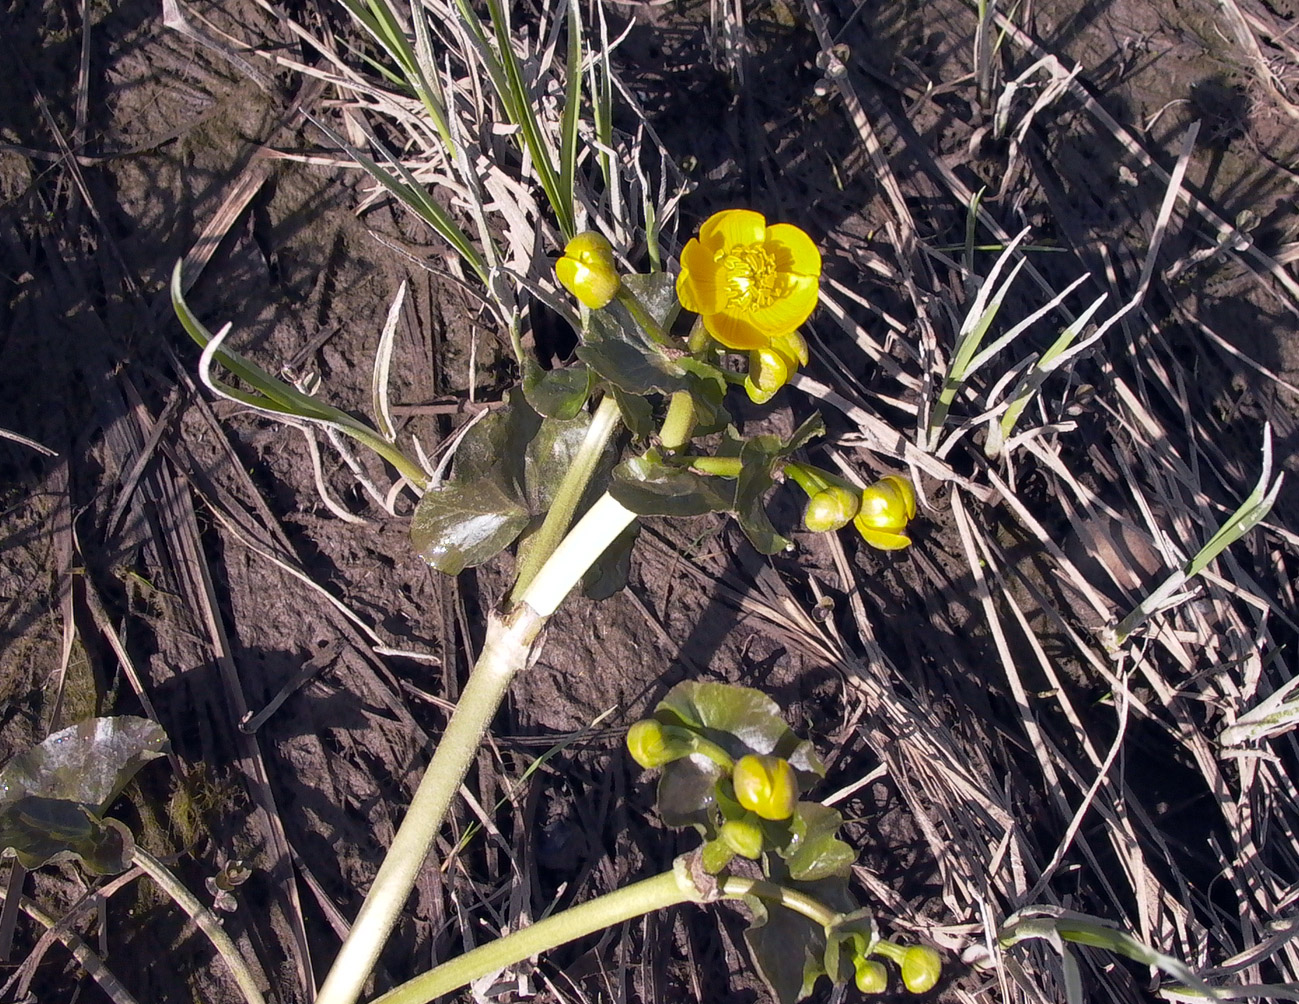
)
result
[(1032, 381), (1058, 926), (572, 107)]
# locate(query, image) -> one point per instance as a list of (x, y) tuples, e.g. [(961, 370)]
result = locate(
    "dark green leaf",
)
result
[(90, 762), (637, 413), (740, 720), (658, 292), (617, 348), (686, 793), (789, 950), (548, 458), (558, 393), (506, 470), (814, 851), (460, 525), (649, 487), (37, 830)]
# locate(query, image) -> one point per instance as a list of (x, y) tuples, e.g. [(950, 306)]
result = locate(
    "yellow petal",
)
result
[(881, 510), (882, 539), (730, 227), (736, 331), (697, 286), (793, 250), (906, 492), (768, 372), (787, 312)]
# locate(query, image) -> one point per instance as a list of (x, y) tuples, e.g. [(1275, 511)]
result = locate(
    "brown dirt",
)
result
[(92, 359)]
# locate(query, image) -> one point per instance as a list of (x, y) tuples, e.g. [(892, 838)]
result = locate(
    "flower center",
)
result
[(752, 281)]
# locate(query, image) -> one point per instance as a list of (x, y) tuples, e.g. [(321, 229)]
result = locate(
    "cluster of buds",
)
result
[(880, 512), (753, 789)]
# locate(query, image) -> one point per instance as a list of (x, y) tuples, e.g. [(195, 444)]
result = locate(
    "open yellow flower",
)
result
[(753, 285)]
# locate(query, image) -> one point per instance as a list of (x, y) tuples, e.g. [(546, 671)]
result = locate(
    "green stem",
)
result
[(568, 495), (660, 892), (679, 422), (657, 893), (203, 917), (807, 478), (735, 887), (505, 652), (721, 467)]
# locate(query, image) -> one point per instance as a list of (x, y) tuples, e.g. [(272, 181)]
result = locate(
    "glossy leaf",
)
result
[(814, 851), (558, 393), (88, 763), (637, 413), (788, 950), (649, 486), (686, 793), (51, 797), (39, 830), (459, 525), (741, 720), (548, 457), (507, 469), (620, 350)]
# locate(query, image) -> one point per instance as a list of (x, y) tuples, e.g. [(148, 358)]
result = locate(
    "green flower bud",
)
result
[(872, 977), (766, 785), (768, 372), (886, 508), (588, 270), (921, 967), (830, 509), (653, 744), (743, 836)]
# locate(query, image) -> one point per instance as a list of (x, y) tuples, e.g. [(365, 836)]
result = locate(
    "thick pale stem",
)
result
[(603, 424), (637, 899), (203, 917), (509, 639), (662, 891), (584, 544)]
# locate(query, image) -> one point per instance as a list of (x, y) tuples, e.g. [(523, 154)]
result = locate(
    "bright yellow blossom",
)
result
[(588, 270), (753, 285), (886, 508)]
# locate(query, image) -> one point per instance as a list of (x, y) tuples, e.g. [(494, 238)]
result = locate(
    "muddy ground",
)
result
[(175, 547)]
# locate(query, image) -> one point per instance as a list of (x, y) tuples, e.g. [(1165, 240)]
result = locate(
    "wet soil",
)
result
[(176, 547)]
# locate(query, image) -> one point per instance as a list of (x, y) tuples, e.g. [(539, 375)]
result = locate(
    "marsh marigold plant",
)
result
[(752, 286)]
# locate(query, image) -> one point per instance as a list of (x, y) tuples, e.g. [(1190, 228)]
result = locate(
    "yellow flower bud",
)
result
[(830, 509), (766, 785), (743, 836), (886, 508), (921, 967), (588, 270), (872, 977), (768, 372), (653, 744)]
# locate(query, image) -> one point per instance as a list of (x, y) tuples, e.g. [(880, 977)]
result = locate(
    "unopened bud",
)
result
[(830, 509), (766, 785), (653, 744), (588, 270)]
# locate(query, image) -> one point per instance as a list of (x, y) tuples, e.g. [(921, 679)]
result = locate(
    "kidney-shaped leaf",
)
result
[(460, 525), (741, 720), (814, 852), (38, 830), (90, 762)]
